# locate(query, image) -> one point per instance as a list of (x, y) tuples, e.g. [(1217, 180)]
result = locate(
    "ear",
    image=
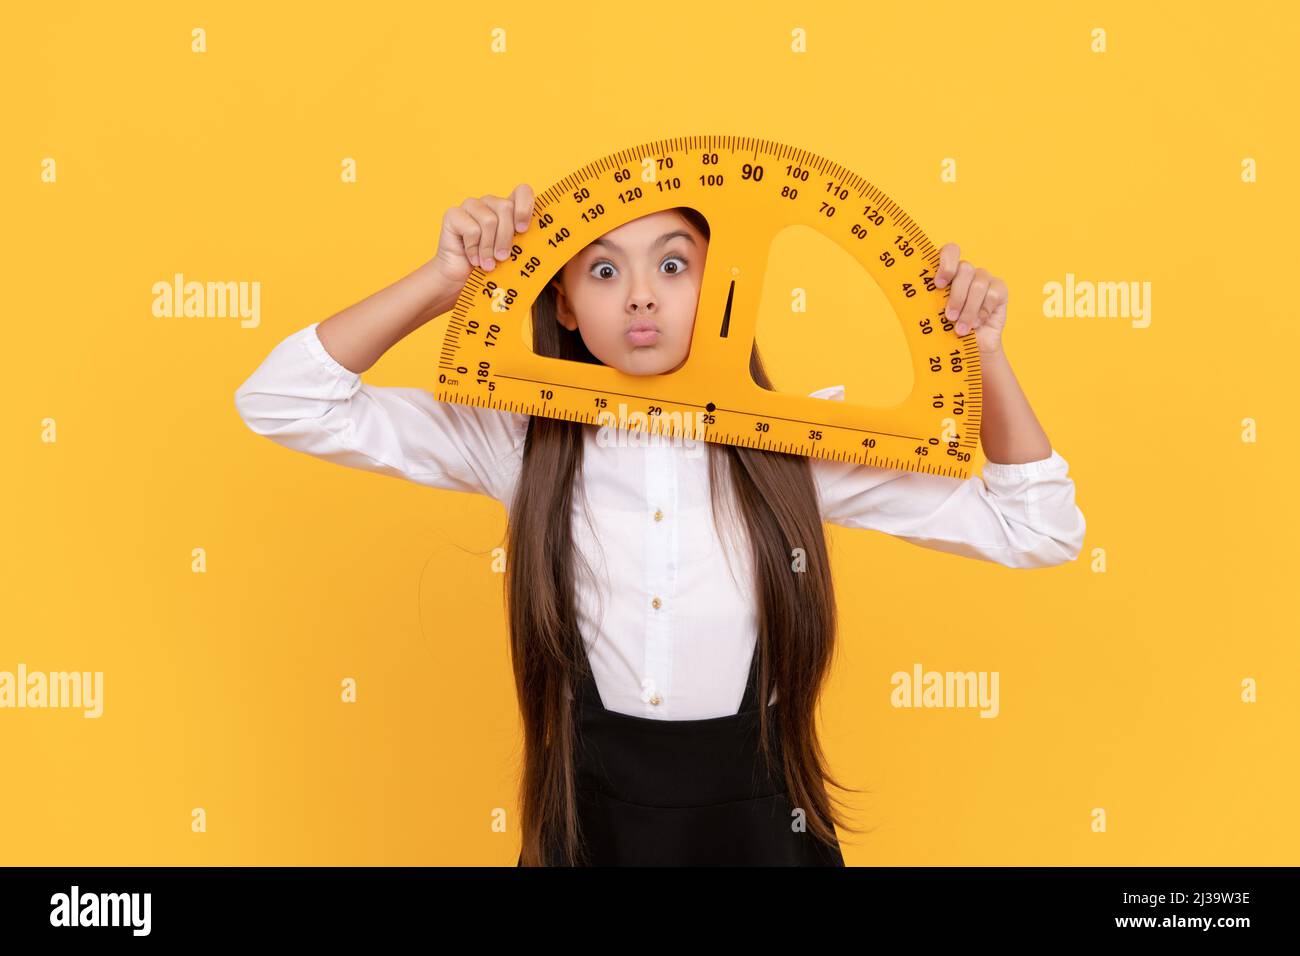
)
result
[(563, 310)]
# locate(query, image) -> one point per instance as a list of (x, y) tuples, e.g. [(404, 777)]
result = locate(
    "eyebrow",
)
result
[(658, 242)]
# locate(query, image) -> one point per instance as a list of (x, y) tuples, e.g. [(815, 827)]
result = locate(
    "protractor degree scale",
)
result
[(749, 190)]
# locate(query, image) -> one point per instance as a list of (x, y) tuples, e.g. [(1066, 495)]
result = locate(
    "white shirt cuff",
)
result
[(311, 340), (1052, 464)]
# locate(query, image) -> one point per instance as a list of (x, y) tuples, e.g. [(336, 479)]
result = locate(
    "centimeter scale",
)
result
[(748, 190)]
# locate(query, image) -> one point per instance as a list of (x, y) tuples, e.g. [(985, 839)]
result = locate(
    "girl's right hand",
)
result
[(479, 232)]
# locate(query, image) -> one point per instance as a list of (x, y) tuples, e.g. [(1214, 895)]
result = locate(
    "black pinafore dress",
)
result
[(684, 792)]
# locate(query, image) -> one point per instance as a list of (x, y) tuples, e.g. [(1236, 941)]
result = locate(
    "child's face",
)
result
[(633, 276)]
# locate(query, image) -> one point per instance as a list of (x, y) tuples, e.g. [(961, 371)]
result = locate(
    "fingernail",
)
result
[(961, 328), (951, 312)]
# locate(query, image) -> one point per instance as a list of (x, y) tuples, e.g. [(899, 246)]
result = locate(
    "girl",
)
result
[(653, 600)]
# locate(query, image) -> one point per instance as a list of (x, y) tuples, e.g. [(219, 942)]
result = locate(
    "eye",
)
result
[(602, 264), (677, 259)]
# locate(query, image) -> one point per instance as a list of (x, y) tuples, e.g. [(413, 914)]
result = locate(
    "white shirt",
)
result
[(692, 652)]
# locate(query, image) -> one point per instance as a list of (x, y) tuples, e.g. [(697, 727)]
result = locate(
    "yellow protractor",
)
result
[(749, 190)]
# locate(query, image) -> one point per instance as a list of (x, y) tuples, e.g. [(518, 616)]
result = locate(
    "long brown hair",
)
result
[(776, 499)]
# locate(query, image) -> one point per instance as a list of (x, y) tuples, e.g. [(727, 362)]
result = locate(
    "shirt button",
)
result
[(655, 699), (659, 515), (657, 603)]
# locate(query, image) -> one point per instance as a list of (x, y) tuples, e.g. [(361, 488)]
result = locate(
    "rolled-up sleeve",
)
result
[(302, 398), (1021, 515)]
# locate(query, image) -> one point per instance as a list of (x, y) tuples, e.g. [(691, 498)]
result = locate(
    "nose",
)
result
[(641, 303), (641, 300)]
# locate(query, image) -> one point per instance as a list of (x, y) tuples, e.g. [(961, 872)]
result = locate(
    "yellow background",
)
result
[(1120, 690)]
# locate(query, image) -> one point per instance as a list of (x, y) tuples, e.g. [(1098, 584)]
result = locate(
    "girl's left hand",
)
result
[(977, 301)]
